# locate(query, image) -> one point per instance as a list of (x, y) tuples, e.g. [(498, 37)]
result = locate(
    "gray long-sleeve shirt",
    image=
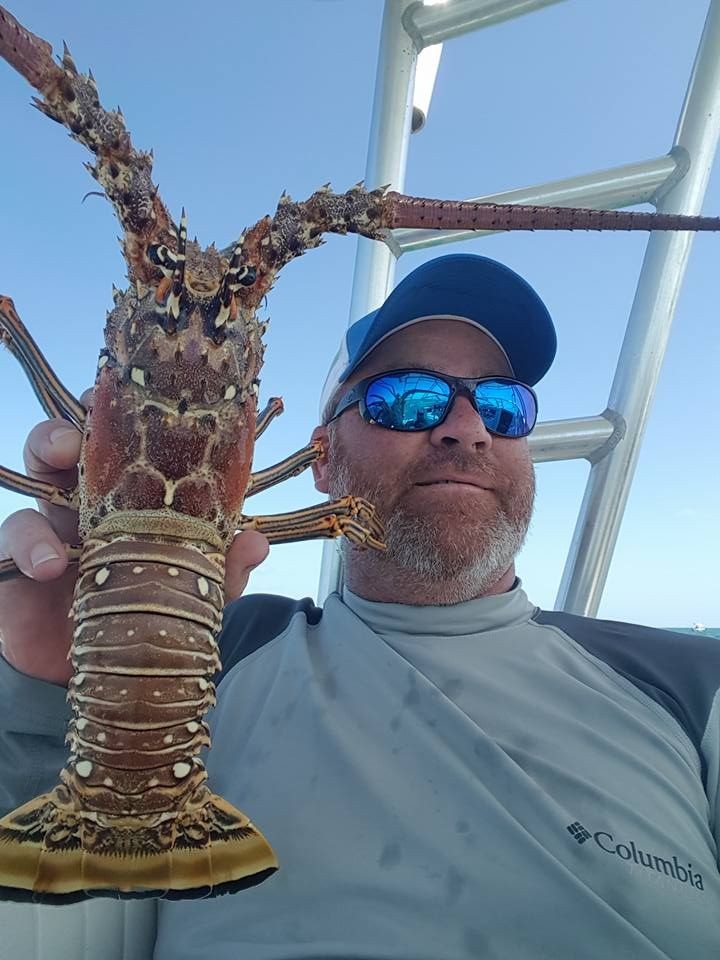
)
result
[(482, 780)]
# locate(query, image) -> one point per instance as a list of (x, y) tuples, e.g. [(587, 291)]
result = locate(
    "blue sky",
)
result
[(243, 100)]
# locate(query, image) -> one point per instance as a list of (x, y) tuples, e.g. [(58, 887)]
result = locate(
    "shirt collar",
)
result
[(457, 619)]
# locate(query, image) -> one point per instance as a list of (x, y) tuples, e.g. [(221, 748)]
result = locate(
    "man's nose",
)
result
[(464, 426)]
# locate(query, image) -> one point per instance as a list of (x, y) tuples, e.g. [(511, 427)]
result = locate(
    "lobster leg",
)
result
[(9, 570), (19, 483), (55, 399), (289, 467), (273, 409), (27, 486), (352, 517)]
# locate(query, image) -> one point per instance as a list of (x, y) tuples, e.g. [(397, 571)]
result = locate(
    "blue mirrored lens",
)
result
[(408, 401), (507, 409)]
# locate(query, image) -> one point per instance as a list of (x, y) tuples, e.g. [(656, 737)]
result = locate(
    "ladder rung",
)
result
[(436, 23), (574, 438)]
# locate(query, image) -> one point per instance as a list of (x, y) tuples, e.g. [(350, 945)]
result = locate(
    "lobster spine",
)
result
[(144, 654)]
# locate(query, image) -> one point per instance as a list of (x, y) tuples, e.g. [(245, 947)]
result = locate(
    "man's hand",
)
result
[(35, 628)]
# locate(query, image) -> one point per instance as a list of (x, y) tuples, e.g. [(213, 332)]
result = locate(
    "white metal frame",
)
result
[(675, 183)]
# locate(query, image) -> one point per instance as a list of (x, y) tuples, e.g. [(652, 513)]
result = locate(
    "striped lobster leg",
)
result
[(55, 399), (9, 570), (29, 487), (351, 517), (273, 408), (289, 467)]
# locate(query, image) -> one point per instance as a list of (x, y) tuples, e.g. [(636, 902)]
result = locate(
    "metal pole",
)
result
[(386, 164), (387, 151), (646, 337)]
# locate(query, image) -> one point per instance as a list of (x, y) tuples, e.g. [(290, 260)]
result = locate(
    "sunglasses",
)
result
[(412, 400)]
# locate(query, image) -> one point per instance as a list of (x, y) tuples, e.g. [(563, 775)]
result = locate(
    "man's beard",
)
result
[(461, 550)]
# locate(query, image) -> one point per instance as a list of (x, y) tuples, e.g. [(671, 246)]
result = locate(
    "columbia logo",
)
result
[(629, 851), (578, 831)]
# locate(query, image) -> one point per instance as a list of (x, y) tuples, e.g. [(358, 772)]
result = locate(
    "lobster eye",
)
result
[(162, 256), (247, 277)]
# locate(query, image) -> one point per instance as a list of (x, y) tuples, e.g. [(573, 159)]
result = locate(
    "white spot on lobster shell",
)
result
[(138, 569), (101, 576), (181, 770), (230, 392), (203, 586), (83, 768), (173, 572), (192, 727), (168, 738), (137, 375)]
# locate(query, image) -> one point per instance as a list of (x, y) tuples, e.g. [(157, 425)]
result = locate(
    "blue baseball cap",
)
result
[(464, 287)]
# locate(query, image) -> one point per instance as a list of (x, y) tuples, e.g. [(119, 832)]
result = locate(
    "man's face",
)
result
[(456, 501)]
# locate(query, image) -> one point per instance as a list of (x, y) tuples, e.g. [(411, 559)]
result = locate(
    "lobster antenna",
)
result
[(71, 98)]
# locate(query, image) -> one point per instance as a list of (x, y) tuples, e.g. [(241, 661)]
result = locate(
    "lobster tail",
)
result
[(132, 812)]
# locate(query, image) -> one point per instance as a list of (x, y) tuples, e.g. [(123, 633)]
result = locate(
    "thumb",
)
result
[(247, 551)]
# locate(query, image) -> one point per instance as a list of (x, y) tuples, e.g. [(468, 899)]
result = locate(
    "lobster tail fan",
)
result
[(50, 853)]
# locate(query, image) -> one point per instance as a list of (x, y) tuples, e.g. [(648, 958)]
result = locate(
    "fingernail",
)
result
[(60, 432), (41, 553)]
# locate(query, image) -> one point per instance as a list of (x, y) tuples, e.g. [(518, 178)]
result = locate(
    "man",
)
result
[(444, 770)]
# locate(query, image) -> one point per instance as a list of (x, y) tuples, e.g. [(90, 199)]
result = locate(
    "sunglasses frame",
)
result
[(459, 386)]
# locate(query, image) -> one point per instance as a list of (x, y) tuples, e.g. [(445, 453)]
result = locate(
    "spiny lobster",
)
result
[(167, 447)]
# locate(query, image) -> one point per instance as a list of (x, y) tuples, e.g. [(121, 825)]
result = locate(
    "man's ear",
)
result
[(320, 466)]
